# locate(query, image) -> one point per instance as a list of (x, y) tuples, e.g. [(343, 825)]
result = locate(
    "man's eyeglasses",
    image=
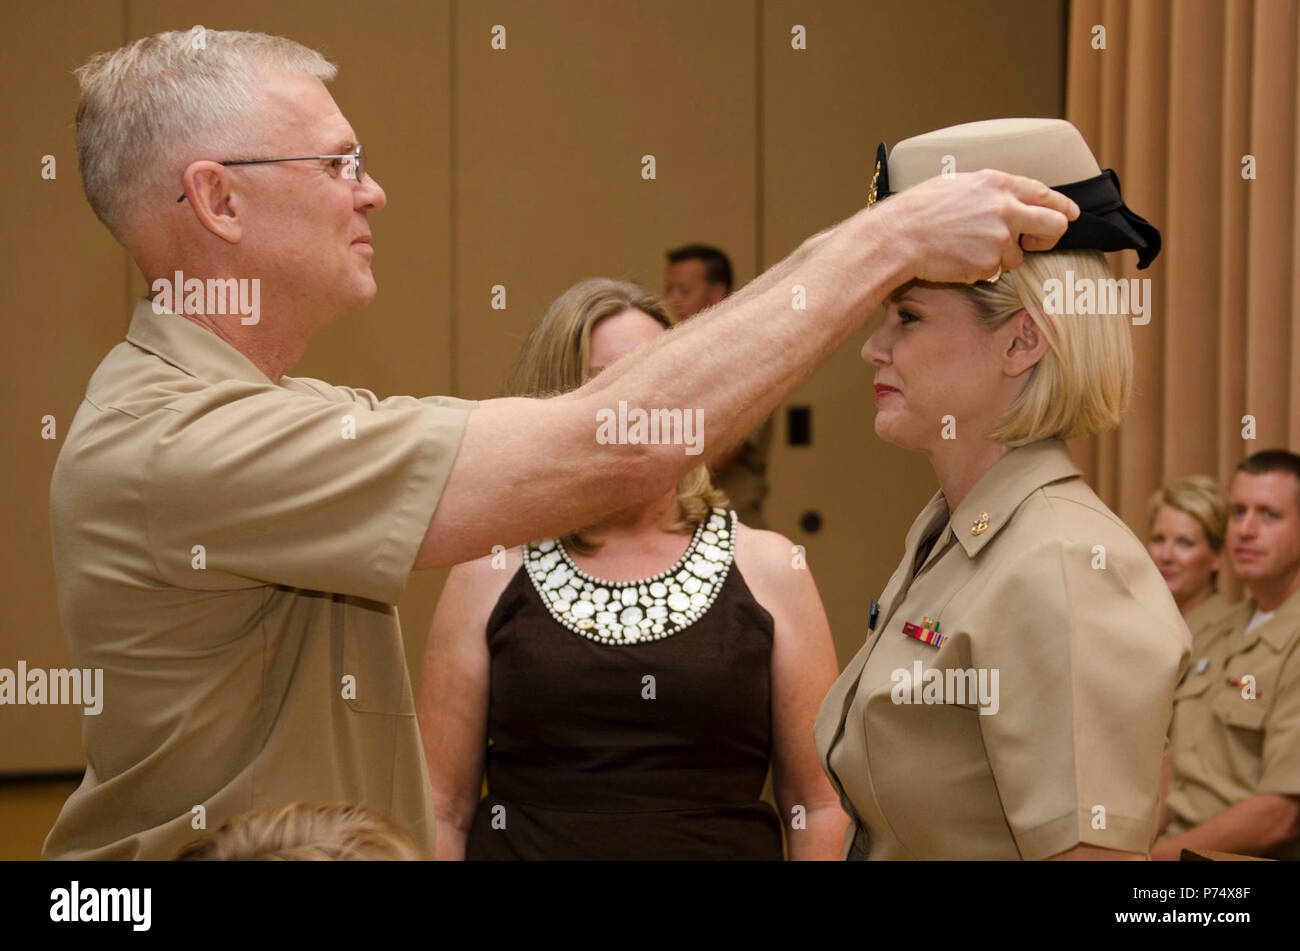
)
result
[(351, 164)]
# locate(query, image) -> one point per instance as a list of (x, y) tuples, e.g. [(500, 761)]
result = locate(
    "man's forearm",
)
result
[(737, 361), (1255, 826), (774, 276)]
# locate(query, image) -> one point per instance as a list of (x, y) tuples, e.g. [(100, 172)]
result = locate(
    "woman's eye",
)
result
[(907, 317)]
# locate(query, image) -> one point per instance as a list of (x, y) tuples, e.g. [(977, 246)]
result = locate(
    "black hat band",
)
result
[(1105, 223)]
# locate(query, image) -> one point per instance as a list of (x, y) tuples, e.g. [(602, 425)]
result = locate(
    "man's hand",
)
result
[(961, 228)]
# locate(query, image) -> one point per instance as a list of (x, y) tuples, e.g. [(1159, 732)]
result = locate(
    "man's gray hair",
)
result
[(150, 108)]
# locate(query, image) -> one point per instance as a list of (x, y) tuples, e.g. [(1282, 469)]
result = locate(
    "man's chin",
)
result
[(364, 290)]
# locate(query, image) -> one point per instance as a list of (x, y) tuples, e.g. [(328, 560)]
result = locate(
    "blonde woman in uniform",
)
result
[(1189, 521), (1013, 693)]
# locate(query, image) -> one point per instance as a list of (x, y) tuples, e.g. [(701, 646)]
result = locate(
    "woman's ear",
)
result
[(1026, 344)]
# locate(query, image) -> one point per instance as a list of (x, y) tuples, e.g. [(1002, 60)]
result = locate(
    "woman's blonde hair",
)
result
[(1084, 382), (306, 832), (1200, 497), (556, 357)]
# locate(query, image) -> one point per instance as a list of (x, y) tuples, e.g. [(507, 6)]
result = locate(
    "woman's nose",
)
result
[(873, 352)]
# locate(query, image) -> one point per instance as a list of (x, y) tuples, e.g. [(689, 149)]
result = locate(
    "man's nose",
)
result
[(370, 195)]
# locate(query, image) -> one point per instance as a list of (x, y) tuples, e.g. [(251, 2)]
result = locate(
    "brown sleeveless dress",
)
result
[(652, 749)]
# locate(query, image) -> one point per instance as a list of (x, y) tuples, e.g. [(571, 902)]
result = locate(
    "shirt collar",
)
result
[(189, 347), (932, 519), (999, 492), (1279, 629)]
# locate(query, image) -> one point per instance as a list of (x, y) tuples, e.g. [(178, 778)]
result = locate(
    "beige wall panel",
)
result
[(872, 72), (393, 86), (550, 133), (64, 286)]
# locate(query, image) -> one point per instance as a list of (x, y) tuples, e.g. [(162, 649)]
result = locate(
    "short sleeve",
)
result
[(1087, 674), (1281, 757), (305, 485)]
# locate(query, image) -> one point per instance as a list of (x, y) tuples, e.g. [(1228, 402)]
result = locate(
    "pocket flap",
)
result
[(1235, 710)]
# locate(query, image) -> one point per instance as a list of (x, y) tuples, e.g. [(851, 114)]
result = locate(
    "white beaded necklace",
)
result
[(635, 612)]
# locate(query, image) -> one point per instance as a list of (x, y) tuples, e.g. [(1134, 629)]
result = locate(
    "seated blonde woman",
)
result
[(1188, 523), (625, 688), (1188, 526)]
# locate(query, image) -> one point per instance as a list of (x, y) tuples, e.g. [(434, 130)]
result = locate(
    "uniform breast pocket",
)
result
[(1242, 720), (373, 677)]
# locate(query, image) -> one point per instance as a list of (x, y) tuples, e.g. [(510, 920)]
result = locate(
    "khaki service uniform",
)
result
[(1203, 616), (1228, 745), (231, 559), (1087, 653)]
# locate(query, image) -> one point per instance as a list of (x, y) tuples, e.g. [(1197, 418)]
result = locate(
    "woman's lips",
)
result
[(882, 391)]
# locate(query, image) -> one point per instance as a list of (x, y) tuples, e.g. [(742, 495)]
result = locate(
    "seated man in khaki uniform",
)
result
[(1235, 739), (229, 541)]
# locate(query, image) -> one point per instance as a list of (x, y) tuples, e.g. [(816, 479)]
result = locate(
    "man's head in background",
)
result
[(1264, 525), (196, 114), (697, 276)]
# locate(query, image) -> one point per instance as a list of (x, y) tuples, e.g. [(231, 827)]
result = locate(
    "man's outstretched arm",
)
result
[(532, 468)]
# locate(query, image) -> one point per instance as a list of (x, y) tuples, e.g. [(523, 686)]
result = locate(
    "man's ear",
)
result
[(208, 190), (1026, 343), (717, 292)]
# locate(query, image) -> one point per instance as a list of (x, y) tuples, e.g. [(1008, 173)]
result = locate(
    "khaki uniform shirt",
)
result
[(1227, 745), (228, 557), (1035, 579), (1204, 616)]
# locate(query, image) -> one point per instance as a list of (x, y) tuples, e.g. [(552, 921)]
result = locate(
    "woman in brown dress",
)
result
[(625, 689)]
